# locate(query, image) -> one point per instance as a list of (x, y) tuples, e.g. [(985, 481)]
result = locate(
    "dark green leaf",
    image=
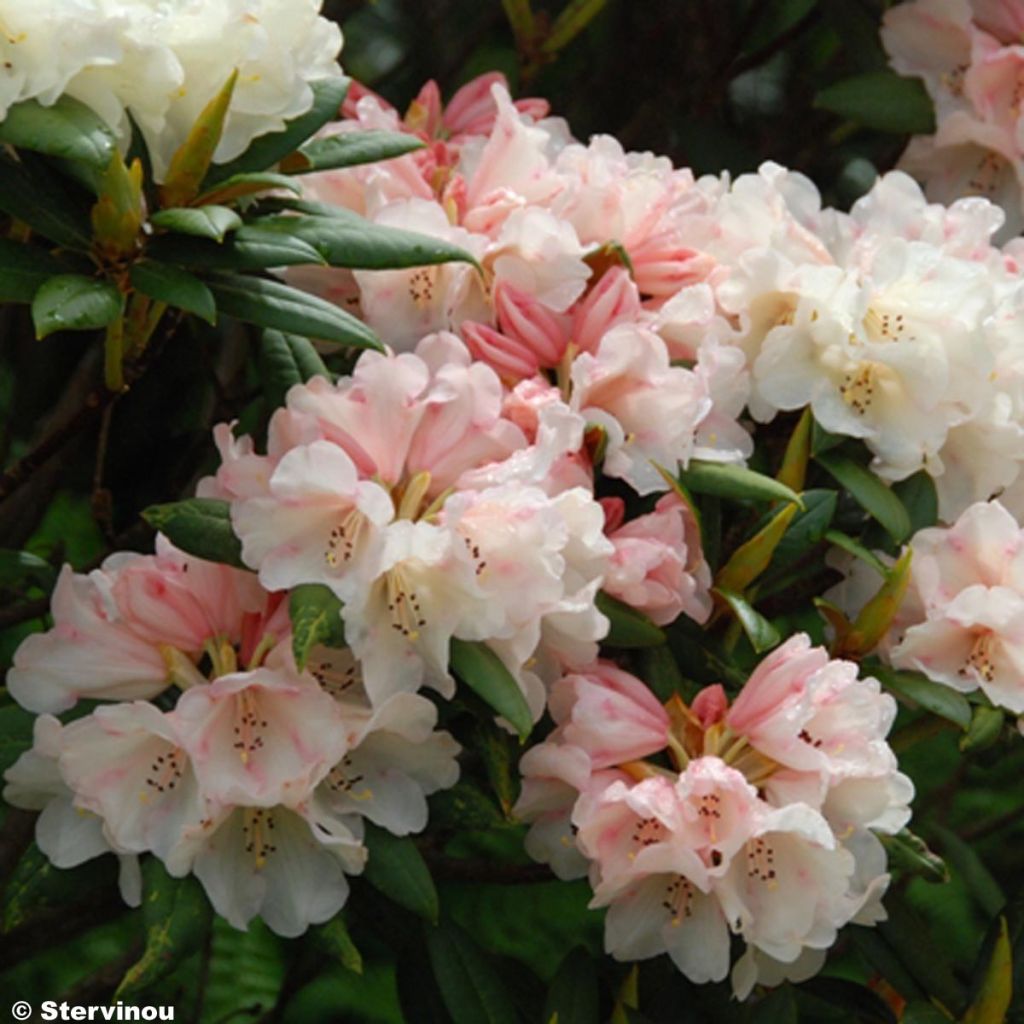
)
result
[(964, 859), (725, 480), (396, 868), (808, 527), (470, 986), (351, 148), (850, 997), (316, 619), (212, 222), (773, 19), (284, 361), (267, 150), (881, 100), (627, 626), (920, 500), (485, 673), (660, 671), (571, 20), (334, 937), (23, 269), (855, 548), (277, 306), (937, 698), (250, 247), (923, 1013), (239, 185), (777, 1007), (176, 915), (500, 754), (72, 302), (32, 193), (763, 636), (67, 129), (344, 239), (246, 973), (15, 734), (20, 568), (878, 952), (822, 440), (873, 495), (168, 283), (573, 993), (200, 527)]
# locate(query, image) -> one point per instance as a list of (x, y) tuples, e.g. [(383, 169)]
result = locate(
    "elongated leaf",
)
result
[(212, 222), (16, 726), (520, 18), (192, 160), (793, 470), (823, 440), (397, 869), (349, 149), (573, 994), (267, 150), (572, 20), (32, 193), (279, 307), (22, 568), (176, 915), (849, 997), (485, 673), (246, 973), (628, 627), (777, 1007), (881, 100), (920, 500), (921, 691), (909, 855), (176, 287), (470, 986), (855, 548), (993, 999), (725, 480), (72, 302), (500, 754), (250, 247), (985, 729), (316, 619), (808, 527), (200, 527), (67, 129), (964, 859), (345, 239), (876, 499), (751, 558), (239, 185), (286, 360), (23, 269), (334, 937), (875, 618), (763, 636)]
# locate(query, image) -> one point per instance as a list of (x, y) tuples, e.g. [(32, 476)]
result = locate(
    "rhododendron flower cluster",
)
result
[(755, 818), (158, 64), (968, 54)]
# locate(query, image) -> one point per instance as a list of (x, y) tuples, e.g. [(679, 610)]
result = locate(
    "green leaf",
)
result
[(937, 698), (875, 618), (918, 1012), (24, 269), (16, 726), (250, 247), (267, 150), (316, 619), (881, 100), (168, 283), (573, 993), (966, 862), (855, 548), (271, 304), (520, 18), (725, 480), (873, 495), (73, 302), (985, 729), (212, 222), (500, 754), (200, 527), (808, 527), (30, 192), (628, 628), (909, 854), (344, 239), (284, 361), (822, 440), (763, 636), (22, 568), (777, 1007), (751, 558), (396, 868), (793, 471), (571, 21), (486, 675), (67, 129), (989, 1006), (470, 985), (335, 939), (240, 185), (349, 149), (176, 915), (920, 499), (246, 973), (850, 997)]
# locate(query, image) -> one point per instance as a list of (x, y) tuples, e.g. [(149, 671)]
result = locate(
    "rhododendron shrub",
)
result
[(525, 578)]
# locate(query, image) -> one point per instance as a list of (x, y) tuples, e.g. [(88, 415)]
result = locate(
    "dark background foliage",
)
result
[(715, 85)]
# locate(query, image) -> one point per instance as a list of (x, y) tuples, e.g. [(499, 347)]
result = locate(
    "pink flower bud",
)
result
[(614, 513), (613, 299), (356, 91), (710, 705), (509, 358), (661, 266), (424, 113), (522, 318), (610, 714), (471, 111)]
